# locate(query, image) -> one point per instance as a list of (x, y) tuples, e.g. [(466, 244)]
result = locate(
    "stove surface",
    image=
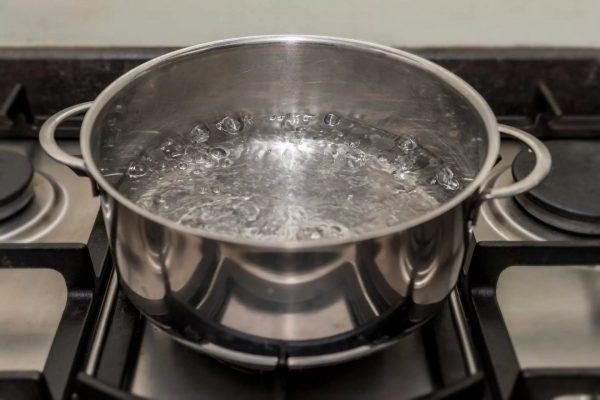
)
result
[(552, 316), (28, 326), (62, 209), (505, 219), (165, 367), (524, 322)]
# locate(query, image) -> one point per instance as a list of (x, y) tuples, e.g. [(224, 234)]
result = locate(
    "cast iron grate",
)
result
[(505, 376), (84, 268)]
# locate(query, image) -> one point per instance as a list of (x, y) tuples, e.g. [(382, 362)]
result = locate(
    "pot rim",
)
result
[(471, 95)]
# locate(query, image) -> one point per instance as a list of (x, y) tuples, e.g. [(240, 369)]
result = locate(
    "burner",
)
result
[(569, 198), (16, 174), (40, 215)]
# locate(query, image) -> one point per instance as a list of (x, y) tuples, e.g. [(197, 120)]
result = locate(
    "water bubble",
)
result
[(391, 221), (354, 143), (312, 233), (177, 151), (248, 211), (218, 153), (182, 165), (247, 120), (382, 158), (252, 232), (356, 159), (445, 178), (200, 133), (201, 156), (192, 220), (296, 122), (277, 117), (403, 187), (260, 154), (159, 201), (357, 181), (405, 162), (137, 170), (406, 143), (308, 117), (230, 125), (187, 156), (197, 172), (322, 143), (331, 119), (167, 146), (226, 162), (291, 122), (172, 149), (330, 230), (215, 190)]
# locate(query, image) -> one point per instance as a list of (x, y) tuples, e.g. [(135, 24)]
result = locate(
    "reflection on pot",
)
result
[(298, 303)]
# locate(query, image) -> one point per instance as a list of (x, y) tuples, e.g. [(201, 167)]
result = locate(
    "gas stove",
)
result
[(523, 323)]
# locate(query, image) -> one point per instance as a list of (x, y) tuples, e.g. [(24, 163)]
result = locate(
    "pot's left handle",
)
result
[(48, 141)]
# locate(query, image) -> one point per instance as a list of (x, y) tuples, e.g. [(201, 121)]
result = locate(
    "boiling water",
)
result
[(290, 177)]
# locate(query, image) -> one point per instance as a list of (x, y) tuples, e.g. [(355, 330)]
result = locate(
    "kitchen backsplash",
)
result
[(406, 23)]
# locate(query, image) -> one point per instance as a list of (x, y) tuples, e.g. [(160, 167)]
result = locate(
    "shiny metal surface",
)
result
[(504, 219), (167, 370), (535, 177), (463, 332), (310, 302), (552, 315), (255, 301), (49, 143), (100, 331), (63, 208), (31, 305)]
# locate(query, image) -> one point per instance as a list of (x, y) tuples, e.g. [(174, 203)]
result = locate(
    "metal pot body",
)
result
[(303, 304), (251, 305)]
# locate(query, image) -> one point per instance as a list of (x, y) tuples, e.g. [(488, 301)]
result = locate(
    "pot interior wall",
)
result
[(382, 90)]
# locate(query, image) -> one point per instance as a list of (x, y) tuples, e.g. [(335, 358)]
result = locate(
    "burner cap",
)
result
[(569, 197), (16, 173)]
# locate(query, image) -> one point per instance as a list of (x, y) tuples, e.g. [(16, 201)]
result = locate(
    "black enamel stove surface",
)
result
[(104, 349)]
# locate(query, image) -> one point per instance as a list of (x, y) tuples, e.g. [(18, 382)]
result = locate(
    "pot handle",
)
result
[(48, 141), (543, 161)]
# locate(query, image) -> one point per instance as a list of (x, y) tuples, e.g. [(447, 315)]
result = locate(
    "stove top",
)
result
[(523, 323), (569, 198), (48, 212)]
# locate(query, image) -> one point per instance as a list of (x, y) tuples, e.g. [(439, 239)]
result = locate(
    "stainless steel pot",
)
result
[(303, 303)]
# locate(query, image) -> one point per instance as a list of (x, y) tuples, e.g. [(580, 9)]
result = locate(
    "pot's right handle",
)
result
[(543, 161), (48, 141)]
